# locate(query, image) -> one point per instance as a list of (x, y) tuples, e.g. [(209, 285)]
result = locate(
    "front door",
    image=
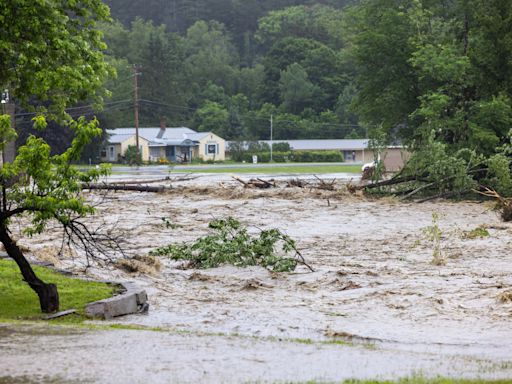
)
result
[(170, 153), (111, 153)]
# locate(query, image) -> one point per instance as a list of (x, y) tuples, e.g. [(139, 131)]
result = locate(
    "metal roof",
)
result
[(118, 139), (317, 144), (197, 136), (151, 133), (178, 143)]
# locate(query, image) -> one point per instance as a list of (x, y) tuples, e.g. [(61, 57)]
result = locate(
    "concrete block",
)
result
[(133, 300)]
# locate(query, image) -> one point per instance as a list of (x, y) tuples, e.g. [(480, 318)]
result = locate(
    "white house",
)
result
[(179, 145)]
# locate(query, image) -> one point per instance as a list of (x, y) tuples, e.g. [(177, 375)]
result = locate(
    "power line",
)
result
[(89, 106), (262, 119)]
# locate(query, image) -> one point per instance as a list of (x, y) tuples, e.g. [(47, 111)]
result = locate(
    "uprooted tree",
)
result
[(51, 55)]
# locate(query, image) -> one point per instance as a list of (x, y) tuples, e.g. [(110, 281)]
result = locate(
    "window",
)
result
[(211, 149)]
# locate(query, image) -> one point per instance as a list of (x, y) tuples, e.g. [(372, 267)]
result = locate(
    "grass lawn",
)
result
[(276, 169), (19, 302), (420, 380)]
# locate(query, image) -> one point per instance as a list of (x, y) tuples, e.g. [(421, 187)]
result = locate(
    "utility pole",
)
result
[(136, 75), (271, 129), (8, 107)]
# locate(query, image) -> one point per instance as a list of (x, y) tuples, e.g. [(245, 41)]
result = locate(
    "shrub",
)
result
[(132, 156), (281, 147), (317, 156)]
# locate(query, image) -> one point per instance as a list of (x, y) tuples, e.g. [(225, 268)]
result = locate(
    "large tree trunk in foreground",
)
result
[(48, 295)]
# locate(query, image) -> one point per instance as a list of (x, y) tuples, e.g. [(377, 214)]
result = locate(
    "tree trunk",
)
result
[(48, 294)]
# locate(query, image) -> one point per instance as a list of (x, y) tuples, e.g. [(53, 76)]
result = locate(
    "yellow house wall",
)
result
[(120, 149), (142, 143), (199, 152)]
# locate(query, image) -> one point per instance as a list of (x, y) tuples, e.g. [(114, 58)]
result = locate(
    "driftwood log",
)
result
[(124, 187)]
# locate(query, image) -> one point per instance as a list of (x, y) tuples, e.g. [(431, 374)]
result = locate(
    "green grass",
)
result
[(416, 380), (269, 169), (420, 380), (19, 302)]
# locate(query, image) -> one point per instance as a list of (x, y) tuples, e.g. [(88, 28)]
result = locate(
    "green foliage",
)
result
[(297, 91), (428, 66), (132, 156), (434, 234), (231, 243), (478, 232), (19, 302), (7, 134), (318, 22), (213, 117), (316, 156), (433, 164), (293, 156), (52, 51), (48, 187), (499, 176), (377, 144), (281, 147)]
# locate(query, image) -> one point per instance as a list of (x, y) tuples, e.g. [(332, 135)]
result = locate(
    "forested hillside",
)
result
[(228, 66)]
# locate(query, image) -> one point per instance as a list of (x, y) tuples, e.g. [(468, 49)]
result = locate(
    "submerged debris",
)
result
[(505, 297), (140, 264)]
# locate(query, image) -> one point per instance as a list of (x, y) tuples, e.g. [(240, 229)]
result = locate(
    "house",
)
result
[(356, 151), (179, 145)]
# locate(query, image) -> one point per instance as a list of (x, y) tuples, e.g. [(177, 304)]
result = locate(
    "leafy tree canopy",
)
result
[(51, 55), (52, 51)]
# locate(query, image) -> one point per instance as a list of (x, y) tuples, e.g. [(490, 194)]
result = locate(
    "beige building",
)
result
[(210, 147), (356, 151), (117, 145), (177, 145)]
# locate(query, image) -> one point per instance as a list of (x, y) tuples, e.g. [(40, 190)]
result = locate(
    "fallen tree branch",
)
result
[(384, 183), (324, 185), (504, 203), (256, 183)]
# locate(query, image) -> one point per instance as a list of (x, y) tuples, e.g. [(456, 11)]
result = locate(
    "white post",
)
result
[(271, 128)]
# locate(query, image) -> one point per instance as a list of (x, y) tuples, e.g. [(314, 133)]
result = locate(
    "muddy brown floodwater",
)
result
[(375, 307)]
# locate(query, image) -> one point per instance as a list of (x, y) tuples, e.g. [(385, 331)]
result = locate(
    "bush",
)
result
[(132, 156), (264, 157), (316, 156), (294, 156), (281, 147)]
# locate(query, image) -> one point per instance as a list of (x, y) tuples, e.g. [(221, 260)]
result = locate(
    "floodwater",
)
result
[(375, 307)]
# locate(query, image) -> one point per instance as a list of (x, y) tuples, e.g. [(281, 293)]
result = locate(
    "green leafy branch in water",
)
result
[(230, 243), (434, 234)]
